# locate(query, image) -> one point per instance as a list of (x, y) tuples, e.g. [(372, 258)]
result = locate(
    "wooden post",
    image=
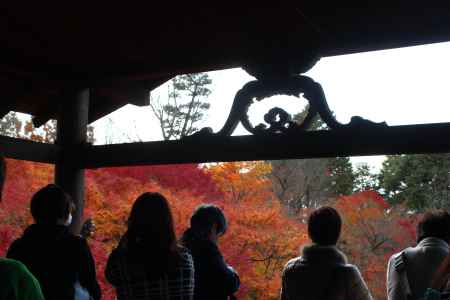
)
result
[(71, 134)]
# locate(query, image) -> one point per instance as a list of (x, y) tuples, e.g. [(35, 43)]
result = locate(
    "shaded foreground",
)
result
[(261, 237)]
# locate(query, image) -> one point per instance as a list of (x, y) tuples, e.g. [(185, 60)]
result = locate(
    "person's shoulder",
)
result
[(17, 243), (349, 268), (204, 248), (118, 258), (12, 265), (351, 272), (400, 254), (76, 238), (292, 265)]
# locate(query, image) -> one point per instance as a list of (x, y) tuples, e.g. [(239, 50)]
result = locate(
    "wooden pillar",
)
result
[(71, 133)]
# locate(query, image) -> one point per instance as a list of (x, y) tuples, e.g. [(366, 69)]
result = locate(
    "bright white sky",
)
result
[(399, 86)]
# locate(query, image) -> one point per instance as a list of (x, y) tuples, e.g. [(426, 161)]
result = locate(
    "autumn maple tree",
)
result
[(261, 236), (261, 240), (373, 230)]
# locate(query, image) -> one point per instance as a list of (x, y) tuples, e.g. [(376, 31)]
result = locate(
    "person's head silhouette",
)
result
[(209, 222), (51, 205), (324, 226)]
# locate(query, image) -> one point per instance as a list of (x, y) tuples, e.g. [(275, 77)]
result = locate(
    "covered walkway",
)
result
[(77, 63)]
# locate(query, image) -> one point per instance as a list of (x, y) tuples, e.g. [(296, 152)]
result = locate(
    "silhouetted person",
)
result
[(148, 263), (214, 279), (60, 260), (411, 271), (16, 282), (322, 272)]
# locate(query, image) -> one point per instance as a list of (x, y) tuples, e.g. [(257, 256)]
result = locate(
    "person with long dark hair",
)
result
[(148, 262)]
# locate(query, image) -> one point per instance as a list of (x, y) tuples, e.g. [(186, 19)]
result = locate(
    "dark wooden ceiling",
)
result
[(122, 50)]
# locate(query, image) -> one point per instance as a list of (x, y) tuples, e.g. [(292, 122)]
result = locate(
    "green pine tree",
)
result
[(184, 106)]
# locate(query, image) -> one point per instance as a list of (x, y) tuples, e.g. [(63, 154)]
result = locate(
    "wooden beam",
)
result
[(428, 138), (107, 97), (29, 150)]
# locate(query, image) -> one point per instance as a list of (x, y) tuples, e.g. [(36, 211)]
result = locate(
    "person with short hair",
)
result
[(149, 263), (17, 283), (60, 260), (322, 271), (411, 271), (51, 205), (214, 279)]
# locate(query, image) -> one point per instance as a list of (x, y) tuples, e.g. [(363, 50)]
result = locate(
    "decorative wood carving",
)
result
[(278, 120)]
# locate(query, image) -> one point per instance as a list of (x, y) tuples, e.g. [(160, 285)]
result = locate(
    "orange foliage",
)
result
[(243, 181), (22, 181), (259, 243), (372, 232), (260, 239)]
